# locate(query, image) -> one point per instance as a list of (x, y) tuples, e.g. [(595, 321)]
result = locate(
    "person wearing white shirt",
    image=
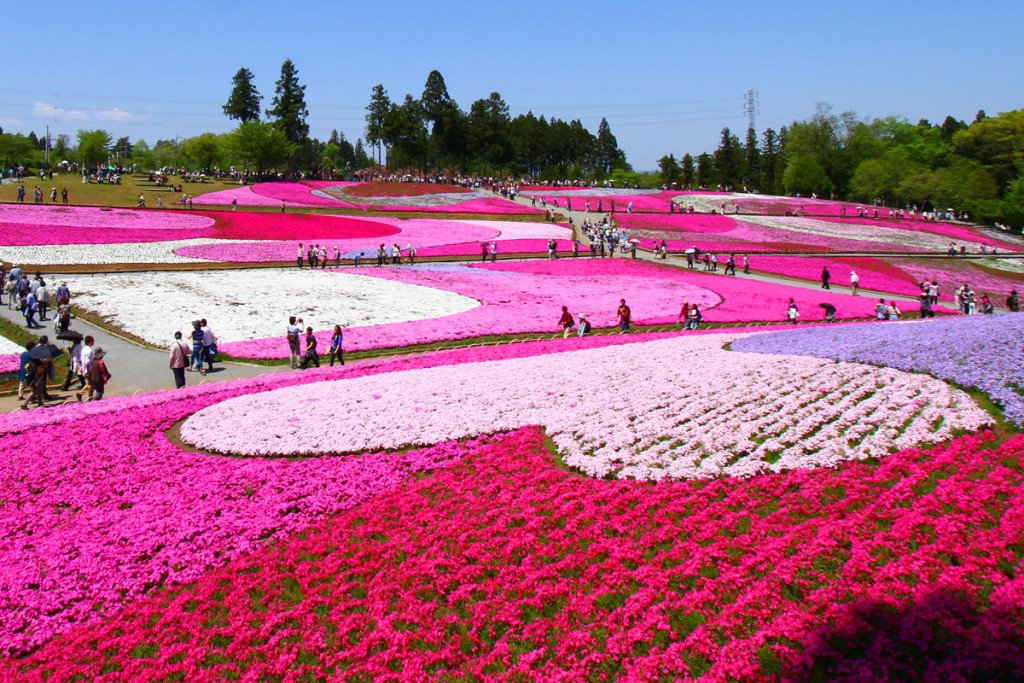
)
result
[(84, 365)]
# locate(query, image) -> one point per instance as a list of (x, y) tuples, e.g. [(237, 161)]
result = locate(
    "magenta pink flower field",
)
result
[(332, 194), (758, 503), (527, 296), (127, 557)]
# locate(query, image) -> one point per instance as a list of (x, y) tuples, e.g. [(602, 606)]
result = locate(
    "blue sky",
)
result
[(667, 75)]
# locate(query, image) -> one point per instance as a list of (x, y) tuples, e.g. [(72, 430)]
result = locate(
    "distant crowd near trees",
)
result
[(976, 168)]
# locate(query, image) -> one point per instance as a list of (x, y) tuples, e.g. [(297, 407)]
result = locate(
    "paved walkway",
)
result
[(677, 260), (134, 368)]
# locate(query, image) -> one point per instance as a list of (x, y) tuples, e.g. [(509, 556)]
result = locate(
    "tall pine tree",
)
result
[(289, 105), (244, 101)]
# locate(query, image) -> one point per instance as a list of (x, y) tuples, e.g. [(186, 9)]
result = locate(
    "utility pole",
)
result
[(46, 152), (750, 107)]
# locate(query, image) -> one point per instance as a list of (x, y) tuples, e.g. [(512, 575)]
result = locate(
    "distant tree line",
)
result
[(426, 135), (976, 168)]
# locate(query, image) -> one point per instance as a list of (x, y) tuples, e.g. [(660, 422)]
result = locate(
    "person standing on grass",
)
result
[(300, 256), (293, 342), (684, 314), (881, 310), (309, 354), (825, 277), (854, 282), (64, 195), (624, 316), (336, 341), (792, 313), (178, 360)]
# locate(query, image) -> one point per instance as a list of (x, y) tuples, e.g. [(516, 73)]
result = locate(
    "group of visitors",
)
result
[(316, 255), (203, 350), (302, 352), (394, 255), (31, 296), (623, 318), (86, 364)]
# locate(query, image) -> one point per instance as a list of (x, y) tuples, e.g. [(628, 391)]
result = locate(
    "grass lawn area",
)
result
[(124, 195)]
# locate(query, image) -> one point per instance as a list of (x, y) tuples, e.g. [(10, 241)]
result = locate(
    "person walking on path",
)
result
[(309, 354), (84, 368), (624, 316), (209, 340), (854, 282), (25, 369), (178, 360), (825, 277), (74, 363), (746, 265), (98, 376), (197, 347), (293, 342), (336, 340)]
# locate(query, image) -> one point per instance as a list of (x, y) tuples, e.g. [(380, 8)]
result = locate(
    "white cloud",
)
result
[(114, 114), (9, 122), (48, 111)]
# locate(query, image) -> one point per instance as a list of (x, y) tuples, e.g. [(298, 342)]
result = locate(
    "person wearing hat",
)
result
[(98, 376), (584, 326)]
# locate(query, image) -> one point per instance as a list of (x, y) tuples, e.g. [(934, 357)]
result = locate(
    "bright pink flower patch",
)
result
[(118, 509), (430, 236), (468, 573), (242, 196), (9, 362), (232, 225), (34, 225), (874, 274), (527, 296)]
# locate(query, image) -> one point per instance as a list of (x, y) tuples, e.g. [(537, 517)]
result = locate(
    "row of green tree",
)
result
[(432, 133), (429, 134), (976, 168)]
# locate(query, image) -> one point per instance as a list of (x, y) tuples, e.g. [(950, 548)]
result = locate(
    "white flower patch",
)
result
[(433, 199), (678, 408), (99, 254), (1010, 265), (588, 192), (9, 347), (249, 304), (854, 231)]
